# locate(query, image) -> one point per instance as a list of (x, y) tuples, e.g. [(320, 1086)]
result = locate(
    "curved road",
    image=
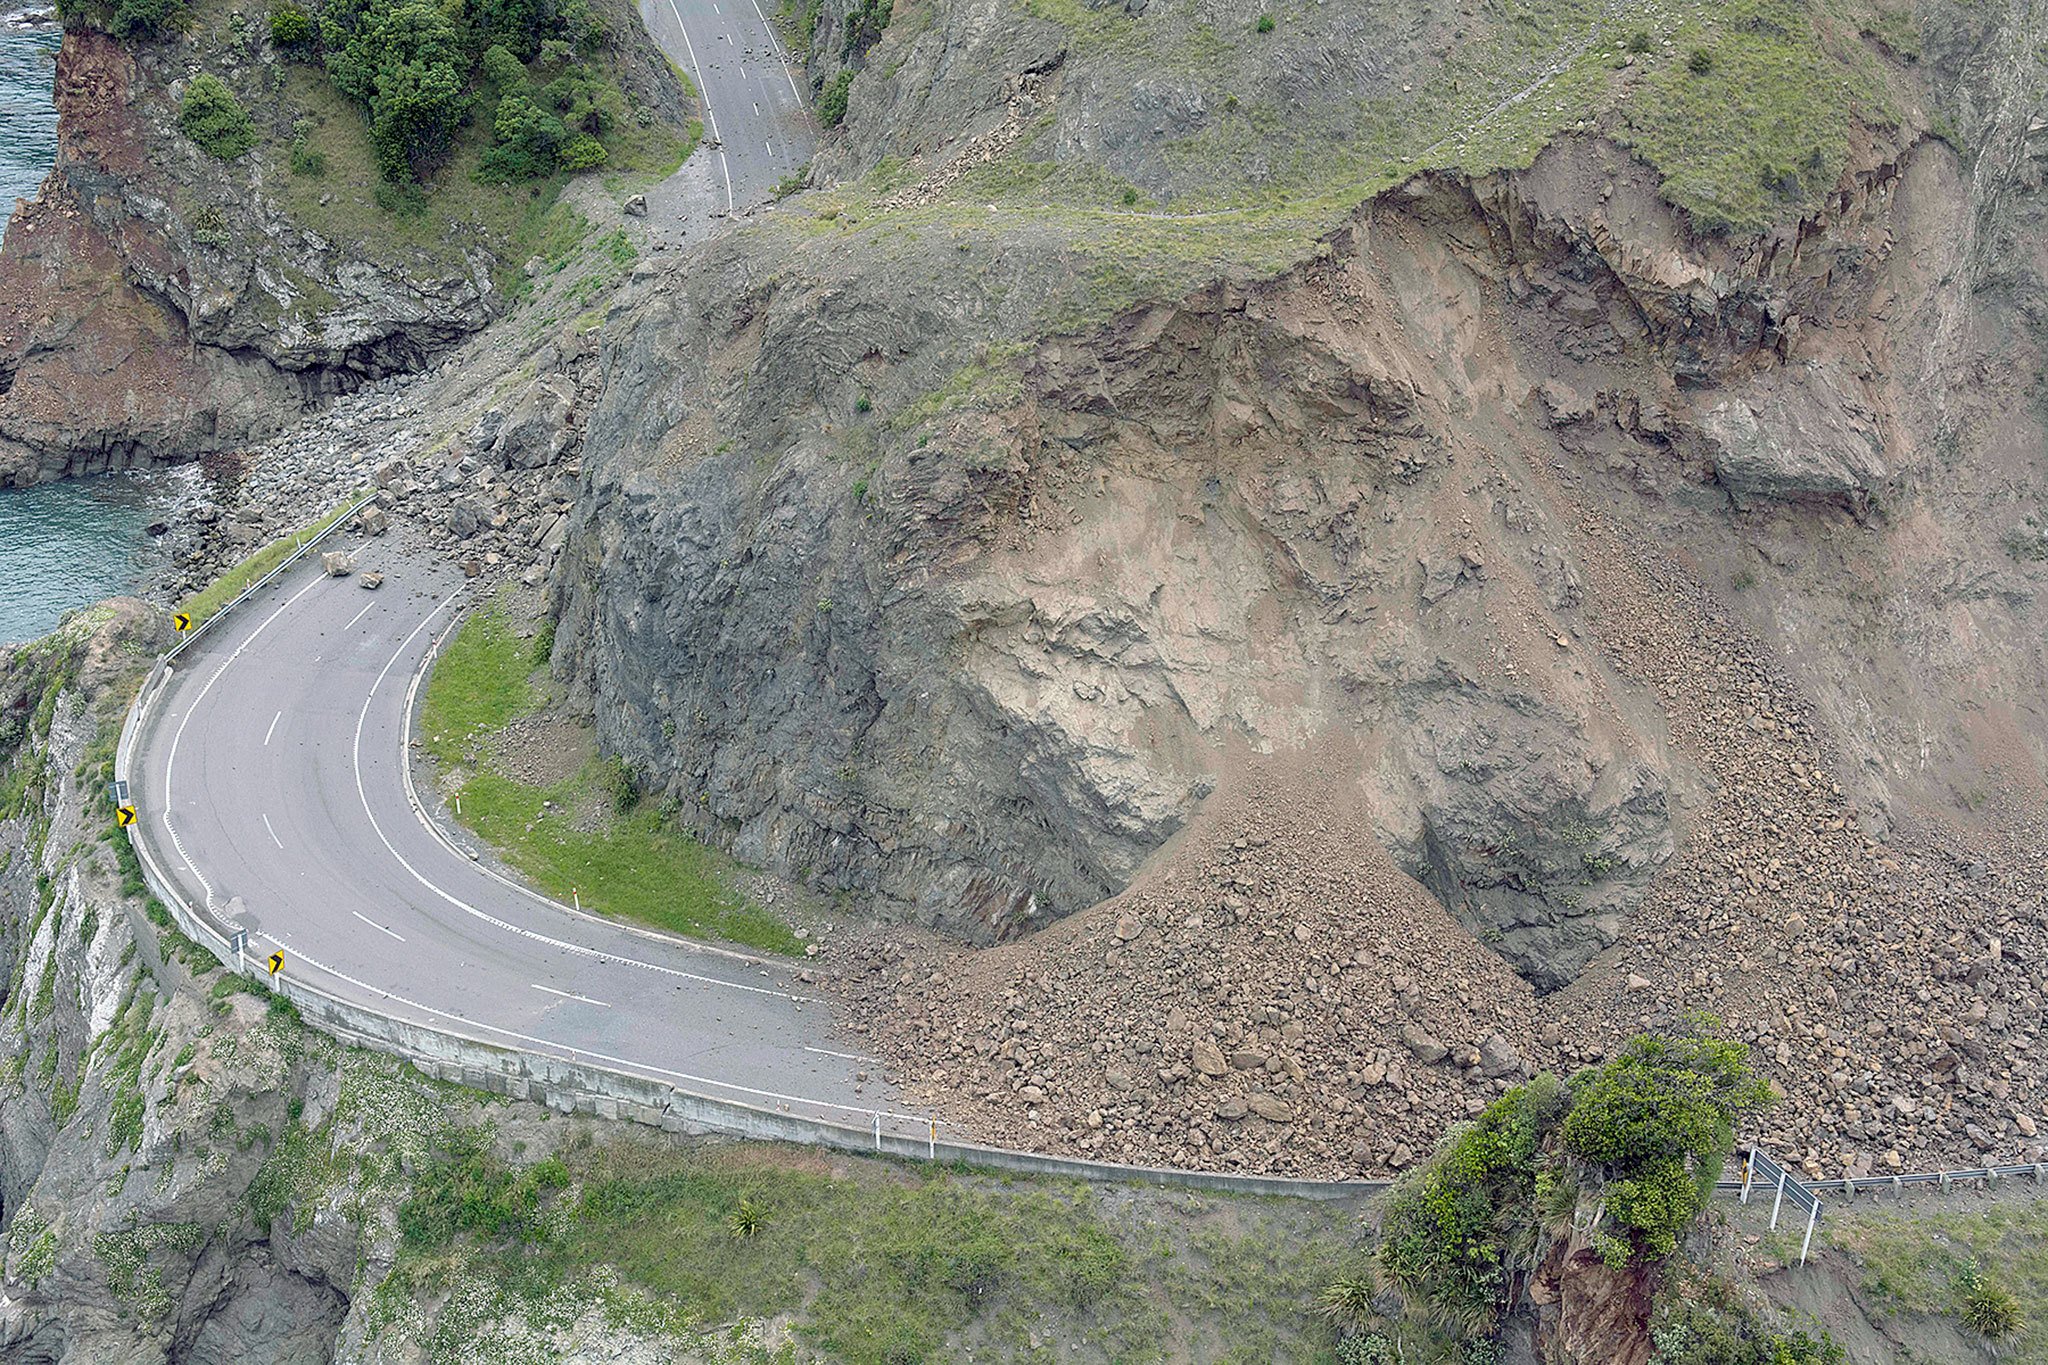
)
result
[(271, 773)]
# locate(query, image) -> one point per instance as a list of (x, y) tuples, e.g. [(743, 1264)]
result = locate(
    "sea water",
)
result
[(28, 121), (62, 545)]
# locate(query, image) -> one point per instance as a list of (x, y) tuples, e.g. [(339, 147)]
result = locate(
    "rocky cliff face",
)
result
[(1618, 569), (157, 303)]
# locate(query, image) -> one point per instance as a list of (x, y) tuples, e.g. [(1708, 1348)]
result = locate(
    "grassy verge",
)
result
[(586, 836), (231, 584), (1921, 1260), (865, 1262)]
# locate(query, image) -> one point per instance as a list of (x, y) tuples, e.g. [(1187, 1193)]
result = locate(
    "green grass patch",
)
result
[(576, 839), (231, 584), (1919, 1261), (870, 1263), (1752, 122)]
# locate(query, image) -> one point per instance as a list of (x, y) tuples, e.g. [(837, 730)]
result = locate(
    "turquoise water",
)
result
[(28, 123), (65, 545), (62, 545)]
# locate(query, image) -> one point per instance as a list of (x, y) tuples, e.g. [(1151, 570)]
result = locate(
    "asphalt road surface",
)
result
[(756, 128), (271, 773)]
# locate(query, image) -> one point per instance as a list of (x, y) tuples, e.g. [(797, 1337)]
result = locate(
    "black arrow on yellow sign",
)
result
[(182, 621), (124, 816), (276, 963)]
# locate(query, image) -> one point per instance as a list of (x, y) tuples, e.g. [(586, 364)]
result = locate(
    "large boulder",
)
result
[(536, 432), (1784, 441)]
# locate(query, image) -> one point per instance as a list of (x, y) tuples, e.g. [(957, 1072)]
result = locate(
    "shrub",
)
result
[(1658, 1121), (1985, 1306), (1700, 62), (210, 115), (502, 69), (1368, 1349), (403, 61), (1452, 1230), (1640, 41), (290, 26), (832, 101), (307, 160), (745, 1220), (129, 19), (1265, 24), (583, 153), (864, 25)]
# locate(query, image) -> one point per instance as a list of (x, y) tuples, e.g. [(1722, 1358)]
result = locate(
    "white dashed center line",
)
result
[(570, 995), (273, 728), (374, 925)]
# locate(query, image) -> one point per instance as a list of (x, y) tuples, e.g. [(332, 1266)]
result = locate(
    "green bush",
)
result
[(129, 20), (1454, 1229), (832, 101), (1700, 62), (290, 26), (1658, 1121), (1265, 24), (1987, 1307), (405, 63), (1646, 1133), (583, 153), (864, 25), (210, 115), (307, 160)]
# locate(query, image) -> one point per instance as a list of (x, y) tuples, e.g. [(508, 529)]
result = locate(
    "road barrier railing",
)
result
[(1760, 1172)]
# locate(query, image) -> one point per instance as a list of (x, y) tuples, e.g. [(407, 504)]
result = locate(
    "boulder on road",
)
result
[(373, 520), (372, 580), (338, 563)]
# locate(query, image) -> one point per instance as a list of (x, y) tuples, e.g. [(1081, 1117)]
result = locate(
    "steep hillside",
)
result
[(221, 245), (1594, 457)]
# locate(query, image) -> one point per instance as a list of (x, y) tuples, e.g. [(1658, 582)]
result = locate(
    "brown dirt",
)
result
[(1891, 989)]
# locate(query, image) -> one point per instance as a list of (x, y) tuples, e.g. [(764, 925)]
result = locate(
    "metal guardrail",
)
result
[(1760, 1170)]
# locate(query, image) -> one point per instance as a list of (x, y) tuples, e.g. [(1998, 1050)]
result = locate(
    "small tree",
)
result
[(1657, 1121), (212, 117), (832, 101), (290, 26)]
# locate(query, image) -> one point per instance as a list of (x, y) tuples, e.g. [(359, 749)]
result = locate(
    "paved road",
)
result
[(756, 127), (271, 772)]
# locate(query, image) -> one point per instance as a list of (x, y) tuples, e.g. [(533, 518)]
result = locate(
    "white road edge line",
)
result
[(273, 832), (171, 759), (571, 995), (704, 94), (641, 1067), (363, 794), (378, 927), (843, 1056), (273, 728), (519, 888)]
